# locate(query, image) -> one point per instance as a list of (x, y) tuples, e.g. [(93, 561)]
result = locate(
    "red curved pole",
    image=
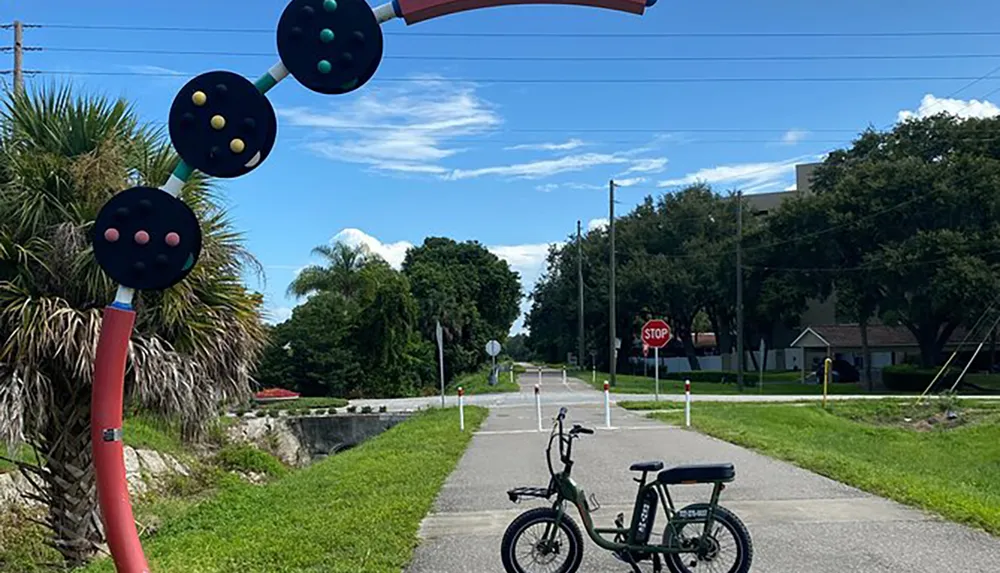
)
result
[(106, 434), (413, 11)]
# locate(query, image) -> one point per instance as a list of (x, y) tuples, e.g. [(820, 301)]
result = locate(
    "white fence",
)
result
[(781, 359)]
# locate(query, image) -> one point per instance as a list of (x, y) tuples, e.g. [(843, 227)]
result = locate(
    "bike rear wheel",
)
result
[(729, 549), (530, 546)]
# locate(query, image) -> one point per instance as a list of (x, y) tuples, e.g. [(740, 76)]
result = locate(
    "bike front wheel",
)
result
[(535, 543), (727, 547)]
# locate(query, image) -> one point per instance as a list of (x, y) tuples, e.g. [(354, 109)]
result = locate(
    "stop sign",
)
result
[(656, 333)]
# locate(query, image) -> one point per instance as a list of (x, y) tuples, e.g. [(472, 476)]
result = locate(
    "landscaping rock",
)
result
[(274, 435), (8, 494), (152, 462), (175, 466), (132, 467)]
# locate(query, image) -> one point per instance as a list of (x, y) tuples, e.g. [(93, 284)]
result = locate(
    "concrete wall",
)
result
[(321, 436)]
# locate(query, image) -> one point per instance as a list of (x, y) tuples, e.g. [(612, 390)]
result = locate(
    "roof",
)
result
[(849, 336)]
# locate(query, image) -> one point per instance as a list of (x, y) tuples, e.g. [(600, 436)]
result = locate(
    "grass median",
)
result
[(915, 456), (479, 383), (357, 511), (776, 383)]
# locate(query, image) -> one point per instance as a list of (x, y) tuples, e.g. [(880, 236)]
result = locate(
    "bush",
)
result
[(244, 458), (729, 376), (366, 410), (908, 378), (383, 409), (260, 413), (352, 409), (241, 411)]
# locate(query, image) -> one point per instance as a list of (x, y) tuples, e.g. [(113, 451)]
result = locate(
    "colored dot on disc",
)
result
[(329, 5), (218, 122), (199, 98), (326, 36), (111, 235), (324, 67), (172, 239), (141, 237), (237, 146)]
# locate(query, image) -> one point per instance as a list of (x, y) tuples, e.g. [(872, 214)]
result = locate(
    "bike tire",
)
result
[(728, 519), (541, 515)]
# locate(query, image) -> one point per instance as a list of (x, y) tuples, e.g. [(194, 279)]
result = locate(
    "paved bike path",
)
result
[(799, 521)]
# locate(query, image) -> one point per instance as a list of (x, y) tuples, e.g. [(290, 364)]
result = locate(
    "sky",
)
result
[(509, 132)]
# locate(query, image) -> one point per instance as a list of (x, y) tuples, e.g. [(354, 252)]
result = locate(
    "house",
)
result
[(888, 345)]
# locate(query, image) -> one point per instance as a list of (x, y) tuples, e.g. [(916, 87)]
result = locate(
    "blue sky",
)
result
[(515, 165)]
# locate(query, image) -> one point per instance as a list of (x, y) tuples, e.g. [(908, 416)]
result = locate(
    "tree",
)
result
[(341, 273), (194, 346), (913, 219), (517, 348), (472, 292)]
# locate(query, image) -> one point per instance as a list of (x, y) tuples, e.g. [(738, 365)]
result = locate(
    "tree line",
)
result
[(902, 227), (367, 329)]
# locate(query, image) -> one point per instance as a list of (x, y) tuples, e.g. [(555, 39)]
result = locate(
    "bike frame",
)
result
[(567, 491)]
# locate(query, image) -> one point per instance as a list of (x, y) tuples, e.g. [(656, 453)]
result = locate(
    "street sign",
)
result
[(645, 349), (493, 348), (656, 333)]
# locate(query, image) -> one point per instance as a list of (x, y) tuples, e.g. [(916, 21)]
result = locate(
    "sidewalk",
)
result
[(799, 521)]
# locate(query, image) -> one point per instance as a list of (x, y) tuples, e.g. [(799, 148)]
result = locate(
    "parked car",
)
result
[(840, 371)]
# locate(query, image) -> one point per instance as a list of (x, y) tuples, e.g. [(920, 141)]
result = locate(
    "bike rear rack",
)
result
[(517, 493)]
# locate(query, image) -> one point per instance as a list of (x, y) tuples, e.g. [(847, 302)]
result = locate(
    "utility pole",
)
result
[(579, 282), (739, 290), (18, 58), (611, 296)]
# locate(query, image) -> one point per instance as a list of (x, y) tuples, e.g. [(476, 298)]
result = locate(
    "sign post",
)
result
[(687, 403), (440, 340), (656, 333), (493, 349)]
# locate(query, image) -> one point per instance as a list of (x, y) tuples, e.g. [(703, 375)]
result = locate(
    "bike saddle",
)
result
[(646, 466)]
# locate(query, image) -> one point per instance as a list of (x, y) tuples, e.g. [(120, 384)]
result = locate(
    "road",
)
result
[(799, 521)]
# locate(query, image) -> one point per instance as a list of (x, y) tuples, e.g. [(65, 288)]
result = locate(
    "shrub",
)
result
[(729, 376), (366, 410), (260, 413), (244, 458), (907, 378), (383, 409), (241, 411), (352, 409)]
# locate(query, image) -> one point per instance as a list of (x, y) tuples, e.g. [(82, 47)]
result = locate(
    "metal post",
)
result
[(607, 405), (579, 293), (538, 407), (611, 297), (461, 408), (18, 57), (739, 290), (687, 403), (656, 370), (827, 363)]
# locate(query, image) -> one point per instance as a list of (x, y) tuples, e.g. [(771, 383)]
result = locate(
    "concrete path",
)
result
[(800, 522)]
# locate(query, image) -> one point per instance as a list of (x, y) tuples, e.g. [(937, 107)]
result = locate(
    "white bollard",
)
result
[(461, 408), (538, 407), (564, 375), (539, 375), (607, 405), (512, 374), (593, 375), (687, 403)]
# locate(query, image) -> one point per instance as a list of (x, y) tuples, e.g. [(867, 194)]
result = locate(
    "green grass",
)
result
[(867, 444), (150, 432), (23, 454), (478, 383), (22, 542), (358, 511), (774, 383), (311, 403), (246, 458)]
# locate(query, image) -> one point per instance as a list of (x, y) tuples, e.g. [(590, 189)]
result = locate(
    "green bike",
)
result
[(698, 537)]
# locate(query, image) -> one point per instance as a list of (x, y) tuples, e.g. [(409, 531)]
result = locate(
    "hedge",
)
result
[(717, 376), (906, 378)]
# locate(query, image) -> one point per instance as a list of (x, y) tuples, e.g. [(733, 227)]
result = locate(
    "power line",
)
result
[(817, 79), (461, 58), (898, 34)]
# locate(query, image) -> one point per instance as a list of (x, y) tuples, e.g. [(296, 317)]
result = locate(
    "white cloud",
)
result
[(407, 128), (277, 315), (565, 146), (792, 187), (751, 177), (931, 105), (597, 224), (153, 70), (793, 136), (651, 165), (547, 187), (529, 261), (629, 182), (393, 253), (548, 167)]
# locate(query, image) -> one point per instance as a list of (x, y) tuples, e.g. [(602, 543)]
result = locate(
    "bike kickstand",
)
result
[(657, 565)]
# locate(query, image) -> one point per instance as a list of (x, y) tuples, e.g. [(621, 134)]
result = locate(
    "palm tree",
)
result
[(340, 274), (194, 346)]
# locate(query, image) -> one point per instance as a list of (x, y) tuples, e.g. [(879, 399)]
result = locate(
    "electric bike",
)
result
[(698, 537)]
